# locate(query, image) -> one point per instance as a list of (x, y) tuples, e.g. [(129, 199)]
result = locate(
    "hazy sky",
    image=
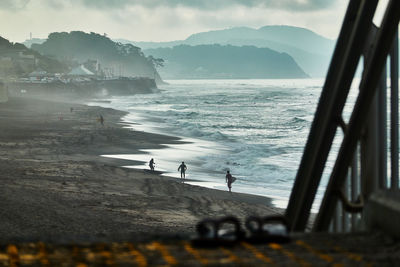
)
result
[(163, 20)]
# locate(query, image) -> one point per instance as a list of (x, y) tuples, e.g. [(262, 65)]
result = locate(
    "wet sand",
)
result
[(55, 186)]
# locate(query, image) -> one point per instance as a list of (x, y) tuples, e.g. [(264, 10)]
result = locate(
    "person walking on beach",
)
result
[(151, 164), (183, 169), (101, 120), (229, 180)]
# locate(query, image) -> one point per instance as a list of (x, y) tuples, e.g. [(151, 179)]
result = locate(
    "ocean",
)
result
[(257, 129)]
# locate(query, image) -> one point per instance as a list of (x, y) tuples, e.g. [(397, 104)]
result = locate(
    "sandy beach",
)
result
[(55, 186)]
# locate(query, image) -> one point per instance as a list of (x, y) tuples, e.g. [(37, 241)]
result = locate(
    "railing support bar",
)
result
[(394, 114), (382, 131), (354, 188)]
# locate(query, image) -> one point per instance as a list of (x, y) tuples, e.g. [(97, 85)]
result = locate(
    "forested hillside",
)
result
[(119, 59), (17, 60), (311, 51)]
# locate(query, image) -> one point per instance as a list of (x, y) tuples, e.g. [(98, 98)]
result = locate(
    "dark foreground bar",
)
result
[(319, 249)]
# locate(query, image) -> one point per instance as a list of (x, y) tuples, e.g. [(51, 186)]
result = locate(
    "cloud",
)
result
[(298, 5), (13, 4), (163, 20), (213, 4)]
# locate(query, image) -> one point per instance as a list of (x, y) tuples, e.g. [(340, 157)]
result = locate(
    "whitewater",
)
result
[(257, 129)]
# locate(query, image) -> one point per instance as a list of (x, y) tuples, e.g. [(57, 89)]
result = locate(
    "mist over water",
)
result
[(257, 129)]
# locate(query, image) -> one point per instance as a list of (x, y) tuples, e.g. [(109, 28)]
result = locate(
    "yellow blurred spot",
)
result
[(195, 253), (164, 252), (139, 258), (12, 252), (256, 253), (231, 256), (289, 254), (322, 256)]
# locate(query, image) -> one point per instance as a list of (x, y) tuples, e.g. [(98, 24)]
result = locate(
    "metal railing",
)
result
[(361, 164), (369, 169)]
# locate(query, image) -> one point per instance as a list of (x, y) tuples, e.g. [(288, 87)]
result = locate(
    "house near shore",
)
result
[(38, 75)]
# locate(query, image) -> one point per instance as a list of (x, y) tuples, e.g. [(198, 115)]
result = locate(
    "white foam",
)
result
[(255, 128)]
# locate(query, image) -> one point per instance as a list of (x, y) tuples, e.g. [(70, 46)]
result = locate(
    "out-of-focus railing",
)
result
[(361, 166), (369, 170)]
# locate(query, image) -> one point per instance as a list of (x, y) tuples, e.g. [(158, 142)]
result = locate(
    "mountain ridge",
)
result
[(225, 62), (311, 51)]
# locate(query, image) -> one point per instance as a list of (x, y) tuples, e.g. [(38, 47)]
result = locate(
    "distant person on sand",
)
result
[(229, 180), (101, 120), (151, 164), (183, 169)]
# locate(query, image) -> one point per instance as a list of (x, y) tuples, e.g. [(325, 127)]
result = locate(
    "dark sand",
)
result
[(56, 187)]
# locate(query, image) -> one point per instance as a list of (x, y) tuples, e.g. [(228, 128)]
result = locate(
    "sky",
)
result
[(163, 20)]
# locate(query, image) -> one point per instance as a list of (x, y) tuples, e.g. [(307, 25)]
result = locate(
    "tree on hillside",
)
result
[(156, 62), (81, 46)]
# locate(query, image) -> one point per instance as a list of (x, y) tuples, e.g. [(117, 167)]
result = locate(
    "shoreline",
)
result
[(55, 184), (191, 150)]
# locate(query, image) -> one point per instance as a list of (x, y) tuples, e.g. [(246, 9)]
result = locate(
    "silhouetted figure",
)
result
[(229, 180), (71, 109), (183, 169), (101, 120), (151, 164)]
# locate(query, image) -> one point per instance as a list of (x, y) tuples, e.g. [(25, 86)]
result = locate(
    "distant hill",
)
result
[(299, 38), (311, 51), (225, 61), (17, 60), (150, 45), (120, 59)]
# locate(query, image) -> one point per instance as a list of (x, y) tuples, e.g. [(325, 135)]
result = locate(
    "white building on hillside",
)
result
[(81, 71)]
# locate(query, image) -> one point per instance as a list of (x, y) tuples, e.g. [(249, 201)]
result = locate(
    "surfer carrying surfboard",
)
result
[(183, 169), (229, 180), (151, 164)]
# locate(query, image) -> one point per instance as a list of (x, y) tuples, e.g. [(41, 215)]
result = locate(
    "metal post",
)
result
[(345, 215), (354, 188), (394, 114), (368, 85), (335, 222), (382, 131), (370, 138)]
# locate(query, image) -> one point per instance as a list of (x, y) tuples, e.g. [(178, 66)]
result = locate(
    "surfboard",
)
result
[(233, 179)]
